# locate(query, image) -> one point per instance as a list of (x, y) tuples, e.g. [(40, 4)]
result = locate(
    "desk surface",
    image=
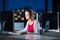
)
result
[(28, 37), (7, 36)]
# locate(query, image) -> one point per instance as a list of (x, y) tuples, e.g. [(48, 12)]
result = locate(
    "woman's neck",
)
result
[(31, 20)]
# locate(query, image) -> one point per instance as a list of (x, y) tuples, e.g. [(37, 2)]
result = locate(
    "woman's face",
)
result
[(27, 15)]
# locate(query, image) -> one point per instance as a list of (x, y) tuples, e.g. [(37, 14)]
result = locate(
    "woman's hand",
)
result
[(23, 33)]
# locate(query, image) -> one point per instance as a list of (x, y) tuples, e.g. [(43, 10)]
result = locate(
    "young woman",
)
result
[(32, 26)]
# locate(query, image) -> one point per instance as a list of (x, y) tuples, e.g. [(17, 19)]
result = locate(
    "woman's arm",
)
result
[(37, 27), (25, 29)]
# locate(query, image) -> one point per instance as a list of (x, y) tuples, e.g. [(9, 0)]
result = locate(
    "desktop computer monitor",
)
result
[(19, 20), (7, 20), (52, 18)]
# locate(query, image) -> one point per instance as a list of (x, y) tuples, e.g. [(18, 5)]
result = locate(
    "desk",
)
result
[(27, 37)]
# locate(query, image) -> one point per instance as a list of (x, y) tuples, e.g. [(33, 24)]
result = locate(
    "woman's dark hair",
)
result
[(29, 10)]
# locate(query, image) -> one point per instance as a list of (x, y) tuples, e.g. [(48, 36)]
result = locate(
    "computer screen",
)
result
[(52, 18), (7, 20), (18, 26), (19, 20)]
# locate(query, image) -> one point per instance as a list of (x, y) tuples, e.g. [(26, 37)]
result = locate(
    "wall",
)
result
[(49, 4), (1, 5), (17, 4)]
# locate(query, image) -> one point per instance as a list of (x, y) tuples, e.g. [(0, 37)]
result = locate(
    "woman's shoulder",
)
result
[(36, 21)]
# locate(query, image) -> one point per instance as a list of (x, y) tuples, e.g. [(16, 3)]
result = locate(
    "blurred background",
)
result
[(12, 17)]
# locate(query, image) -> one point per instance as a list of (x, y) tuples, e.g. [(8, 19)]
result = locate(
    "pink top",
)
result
[(31, 28)]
